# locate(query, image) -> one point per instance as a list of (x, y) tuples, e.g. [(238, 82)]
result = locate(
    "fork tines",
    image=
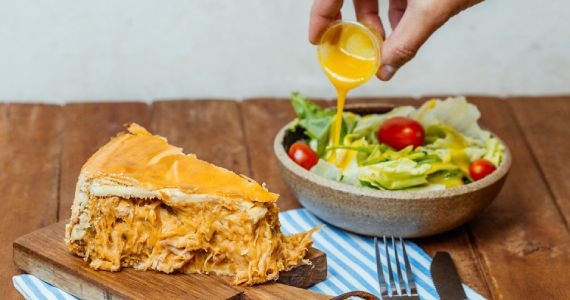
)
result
[(391, 284)]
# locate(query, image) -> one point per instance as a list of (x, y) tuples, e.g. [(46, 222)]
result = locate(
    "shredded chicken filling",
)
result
[(204, 237)]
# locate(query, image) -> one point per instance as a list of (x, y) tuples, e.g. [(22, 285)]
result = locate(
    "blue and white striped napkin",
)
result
[(350, 258)]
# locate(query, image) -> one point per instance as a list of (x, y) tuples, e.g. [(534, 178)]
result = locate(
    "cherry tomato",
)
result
[(303, 155), (480, 168), (400, 132)]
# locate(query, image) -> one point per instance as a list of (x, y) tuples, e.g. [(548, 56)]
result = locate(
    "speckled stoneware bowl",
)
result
[(375, 213)]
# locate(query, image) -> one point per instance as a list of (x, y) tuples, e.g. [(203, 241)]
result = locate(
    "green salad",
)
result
[(436, 146)]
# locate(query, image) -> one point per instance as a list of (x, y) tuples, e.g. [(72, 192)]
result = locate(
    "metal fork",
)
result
[(391, 284)]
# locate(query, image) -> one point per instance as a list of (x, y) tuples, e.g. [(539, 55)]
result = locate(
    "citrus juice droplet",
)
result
[(349, 55)]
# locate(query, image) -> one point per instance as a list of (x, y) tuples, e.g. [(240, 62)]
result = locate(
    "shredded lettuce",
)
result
[(450, 177), (494, 151), (384, 153), (351, 176), (395, 174), (347, 158), (442, 140)]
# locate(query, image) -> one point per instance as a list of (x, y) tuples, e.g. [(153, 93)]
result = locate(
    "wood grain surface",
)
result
[(210, 129), (87, 127), (522, 235), (30, 136), (457, 243), (44, 254), (545, 124)]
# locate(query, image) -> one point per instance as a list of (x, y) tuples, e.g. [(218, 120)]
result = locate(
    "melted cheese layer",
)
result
[(216, 236), (147, 161)]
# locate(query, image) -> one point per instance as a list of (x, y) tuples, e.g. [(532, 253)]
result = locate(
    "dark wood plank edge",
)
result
[(315, 272)]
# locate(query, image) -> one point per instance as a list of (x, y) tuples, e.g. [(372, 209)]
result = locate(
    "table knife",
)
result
[(445, 277)]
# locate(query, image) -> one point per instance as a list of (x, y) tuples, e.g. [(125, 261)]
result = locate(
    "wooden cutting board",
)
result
[(43, 253)]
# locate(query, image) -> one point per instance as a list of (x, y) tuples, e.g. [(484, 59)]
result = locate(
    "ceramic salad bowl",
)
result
[(374, 212)]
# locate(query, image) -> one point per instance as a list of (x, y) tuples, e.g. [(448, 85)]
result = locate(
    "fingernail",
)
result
[(386, 72)]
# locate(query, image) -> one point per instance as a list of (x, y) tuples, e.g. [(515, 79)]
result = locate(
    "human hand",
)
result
[(412, 21)]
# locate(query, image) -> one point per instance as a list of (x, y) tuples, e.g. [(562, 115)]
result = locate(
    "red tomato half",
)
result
[(480, 168), (400, 132), (303, 155)]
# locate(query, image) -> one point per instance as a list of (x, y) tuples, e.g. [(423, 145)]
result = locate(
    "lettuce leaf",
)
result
[(306, 109), (395, 174), (494, 151), (454, 112), (474, 153), (327, 170), (367, 149), (315, 120), (444, 141), (351, 120), (384, 153), (344, 156), (451, 177), (381, 153), (350, 176)]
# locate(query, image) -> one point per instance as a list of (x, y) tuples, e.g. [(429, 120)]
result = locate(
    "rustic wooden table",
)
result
[(518, 248)]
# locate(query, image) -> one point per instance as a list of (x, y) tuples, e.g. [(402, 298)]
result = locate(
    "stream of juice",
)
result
[(349, 62)]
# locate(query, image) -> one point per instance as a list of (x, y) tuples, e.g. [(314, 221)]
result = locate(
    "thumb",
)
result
[(417, 24)]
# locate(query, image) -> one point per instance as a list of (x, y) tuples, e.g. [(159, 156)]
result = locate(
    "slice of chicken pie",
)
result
[(142, 203)]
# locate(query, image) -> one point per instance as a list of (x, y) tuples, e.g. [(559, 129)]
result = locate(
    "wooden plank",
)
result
[(521, 239), (211, 129), (263, 118), (30, 136), (87, 127), (44, 254), (306, 276), (544, 122)]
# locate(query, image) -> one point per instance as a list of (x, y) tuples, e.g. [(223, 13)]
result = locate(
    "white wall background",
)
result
[(67, 50)]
